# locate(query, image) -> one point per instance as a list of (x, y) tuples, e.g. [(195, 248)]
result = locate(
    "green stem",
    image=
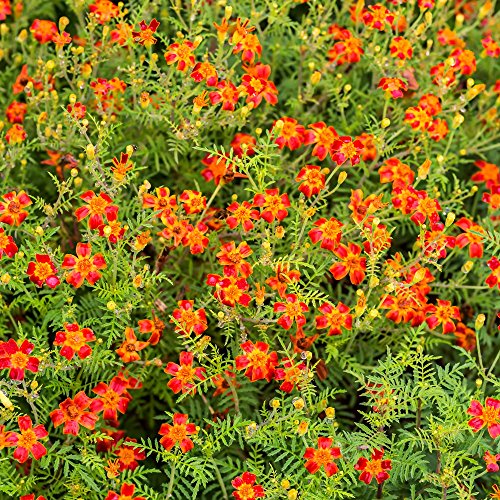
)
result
[(171, 482), (221, 482)]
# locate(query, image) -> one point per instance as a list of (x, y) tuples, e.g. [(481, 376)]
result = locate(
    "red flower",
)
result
[(395, 87), (16, 134), (72, 413), (7, 245), (85, 267), (114, 398), (233, 257), (397, 172), (469, 237), (418, 118), (377, 16), (17, 358), (187, 319), (485, 416), (334, 318), (97, 207), (104, 10), (257, 86), (5, 10), (227, 94), (193, 202), (163, 202), (182, 54), (492, 198), (312, 180), (291, 133), (291, 374), (128, 350), (246, 489), (401, 48), (26, 441), (43, 271), (442, 314), (328, 232), (323, 138), (11, 208), (205, 71), (43, 30), (494, 278), (145, 35), (185, 375), (488, 173), (74, 341), (258, 363), (350, 263), (243, 144), (178, 433), (195, 238), (126, 493), (294, 311), (323, 456), (31, 496), (242, 214), (491, 461), (344, 149), (230, 290), (16, 111), (250, 47), (284, 276), (128, 455), (154, 327), (347, 50), (274, 205), (374, 468)]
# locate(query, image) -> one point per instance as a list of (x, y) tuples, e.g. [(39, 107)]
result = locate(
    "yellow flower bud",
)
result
[(466, 268), (285, 484), (63, 22), (275, 403), (90, 150), (5, 278), (298, 403), (5, 400), (50, 65), (481, 318), (330, 412), (111, 305), (385, 123), (292, 494), (450, 219), (302, 428), (39, 231), (342, 177), (458, 119)]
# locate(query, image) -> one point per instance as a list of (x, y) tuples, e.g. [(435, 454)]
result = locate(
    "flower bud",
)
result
[(481, 318), (315, 77), (342, 177), (90, 150), (450, 219), (385, 123), (298, 403)]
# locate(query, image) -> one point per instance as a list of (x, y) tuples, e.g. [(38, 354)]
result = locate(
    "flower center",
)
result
[(14, 207), (245, 492), (27, 439), (97, 205), (72, 411), (490, 415), (178, 432), (185, 374), (84, 266), (19, 360), (43, 270), (322, 457)]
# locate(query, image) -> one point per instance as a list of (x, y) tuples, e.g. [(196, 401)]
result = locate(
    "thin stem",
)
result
[(221, 482), (171, 482)]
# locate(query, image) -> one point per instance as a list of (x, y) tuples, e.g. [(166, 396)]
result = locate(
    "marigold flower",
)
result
[(488, 173), (126, 493), (328, 232), (246, 489), (257, 361), (491, 47), (154, 327), (77, 110), (72, 414), (401, 48), (43, 271), (405, 306), (395, 87), (438, 129), (114, 398), (178, 433), (492, 198), (163, 202), (219, 169), (31, 496), (334, 318), (274, 206), (363, 209), (436, 241), (104, 10), (323, 137), (16, 111), (350, 263), (369, 151), (418, 118), (128, 455), (242, 213), (193, 202), (485, 416), (424, 208), (442, 314), (291, 374), (347, 50), (43, 30), (377, 17), (243, 144), (256, 85), (464, 61), (494, 278), (141, 241), (17, 358), (174, 228), (431, 104), (16, 134), (284, 276), (5, 9), (128, 351), (496, 491), (74, 341), (185, 375), (195, 238), (233, 257), (491, 461), (465, 337), (27, 441), (84, 265), (294, 311), (323, 456), (250, 48), (291, 133), (7, 245), (61, 39), (145, 35), (469, 237), (312, 180), (97, 207), (205, 71), (187, 319), (121, 167), (230, 290), (375, 468), (449, 37), (227, 94)]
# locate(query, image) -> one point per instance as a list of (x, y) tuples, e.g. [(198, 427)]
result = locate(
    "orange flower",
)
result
[(163, 203), (377, 17), (345, 149), (485, 416), (274, 205), (126, 493), (350, 263), (334, 318), (185, 375), (205, 71), (7, 245), (323, 138), (401, 48), (328, 232), (154, 327), (291, 374), (114, 398), (195, 238), (121, 167), (395, 171), (43, 31), (291, 133), (97, 207), (145, 35), (492, 198), (229, 289), (312, 180), (242, 214), (361, 208), (187, 319), (488, 173), (72, 414), (250, 47), (193, 202), (233, 257), (43, 271), (418, 118), (256, 85), (374, 468), (128, 350), (323, 456), (284, 276), (178, 433), (182, 54), (85, 267), (16, 111), (442, 314), (227, 94), (293, 311), (16, 134), (393, 86), (347, 50), (17, 358), (104, 10), (74, 341), (27, 441), (257, 362)]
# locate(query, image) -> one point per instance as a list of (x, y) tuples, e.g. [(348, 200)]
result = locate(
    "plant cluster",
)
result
[(249, 251)]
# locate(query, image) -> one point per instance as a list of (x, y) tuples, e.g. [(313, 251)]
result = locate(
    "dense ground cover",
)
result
[(249, 250)]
